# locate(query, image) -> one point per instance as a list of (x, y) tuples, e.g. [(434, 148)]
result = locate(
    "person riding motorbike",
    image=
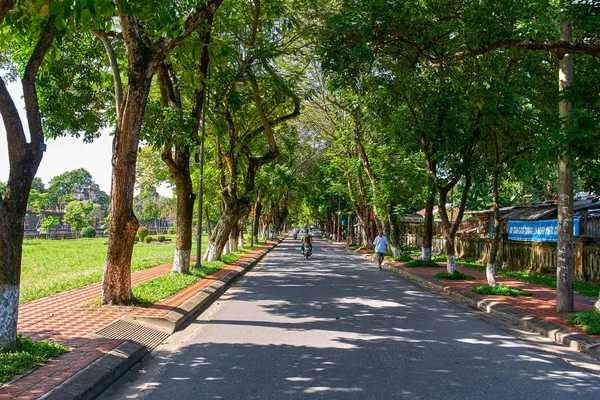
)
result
[(306, 240)]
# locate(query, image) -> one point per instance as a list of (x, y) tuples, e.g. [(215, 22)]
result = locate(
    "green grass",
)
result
[(454, 276), (589, 321), (401, 258), (53, 266), (421, 264), (150, 292), (583, 288), (27, 355), (501, 290)]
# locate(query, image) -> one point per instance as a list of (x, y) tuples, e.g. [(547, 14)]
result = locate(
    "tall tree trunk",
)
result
[(185, 211), (428, 227), (257, 215), (143, 59), (449, 228), (565, 268), (24, 159), (179, 168), (231, 215), (208, 224), (393, 235), (116, 281), (491, 264)]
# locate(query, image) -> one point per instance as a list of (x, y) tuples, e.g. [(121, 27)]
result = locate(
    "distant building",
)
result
[(86, 191)]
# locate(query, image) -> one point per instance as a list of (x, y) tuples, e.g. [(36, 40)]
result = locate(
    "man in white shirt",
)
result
[(380, 244)]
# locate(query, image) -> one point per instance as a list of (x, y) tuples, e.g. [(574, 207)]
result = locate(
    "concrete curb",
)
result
[(558, 333), (94, 379)]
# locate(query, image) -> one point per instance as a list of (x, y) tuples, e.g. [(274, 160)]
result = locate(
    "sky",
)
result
[(66, 154)]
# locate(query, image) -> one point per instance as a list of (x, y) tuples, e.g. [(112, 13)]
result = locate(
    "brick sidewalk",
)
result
[(541, 304), (65, 318)]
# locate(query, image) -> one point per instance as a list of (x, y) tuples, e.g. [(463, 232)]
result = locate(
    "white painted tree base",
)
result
[(9, 310), (211, 252), (490, 273), (426, 253), (451, 264), (181, 261)]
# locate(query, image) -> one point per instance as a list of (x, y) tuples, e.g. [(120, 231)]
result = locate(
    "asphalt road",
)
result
[(335, 327)]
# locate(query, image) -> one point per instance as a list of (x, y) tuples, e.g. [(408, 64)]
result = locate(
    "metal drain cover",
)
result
[(127, 330)]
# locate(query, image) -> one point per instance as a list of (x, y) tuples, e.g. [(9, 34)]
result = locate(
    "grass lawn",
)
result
[(162, 287), (53, 266), (27, 355)]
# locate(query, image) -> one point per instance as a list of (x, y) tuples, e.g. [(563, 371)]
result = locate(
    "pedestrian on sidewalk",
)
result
[(380, 244)]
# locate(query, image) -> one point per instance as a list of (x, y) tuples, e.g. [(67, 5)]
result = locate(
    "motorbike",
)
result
[(307, 251)]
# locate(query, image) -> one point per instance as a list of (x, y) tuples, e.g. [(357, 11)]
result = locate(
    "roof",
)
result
[(549, 210)]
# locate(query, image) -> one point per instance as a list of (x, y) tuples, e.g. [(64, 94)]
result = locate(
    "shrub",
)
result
[(143, 232), (148, 239), (136, 239), (172, 230), (501, 290), (160, 238), (402, 258), (88, 232), (421, 264), (454, 276), (589, 321)]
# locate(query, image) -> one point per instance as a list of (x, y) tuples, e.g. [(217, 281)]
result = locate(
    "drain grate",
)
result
[(126, 330)]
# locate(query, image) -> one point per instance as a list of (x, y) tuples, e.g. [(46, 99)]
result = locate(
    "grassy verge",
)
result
[(583, 288), (589, 321), (53, 266), (501, 290), (27, 355), (150, 292), (401, 258), (453, 276), (421, 264)]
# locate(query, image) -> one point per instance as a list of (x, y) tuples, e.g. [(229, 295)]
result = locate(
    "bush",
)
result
[(172, 230), (421, 264), (136, 239), (454, 276), (589, 321), (501, 290), (88, 232), (160, 238), (148, 239), (143, 232), (402, 258)]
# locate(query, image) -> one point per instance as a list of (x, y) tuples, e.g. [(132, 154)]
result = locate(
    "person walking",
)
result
[(380, 244)]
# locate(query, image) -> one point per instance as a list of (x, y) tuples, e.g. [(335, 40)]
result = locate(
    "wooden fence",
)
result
[(524, 256)]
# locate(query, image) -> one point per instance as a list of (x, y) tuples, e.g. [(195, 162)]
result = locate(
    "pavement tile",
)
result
[(65, 318)]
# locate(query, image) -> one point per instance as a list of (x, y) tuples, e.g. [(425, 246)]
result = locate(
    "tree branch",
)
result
[(114, 66)]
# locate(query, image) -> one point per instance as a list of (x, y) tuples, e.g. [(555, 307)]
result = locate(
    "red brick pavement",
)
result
[(65, 318), (542, 304)]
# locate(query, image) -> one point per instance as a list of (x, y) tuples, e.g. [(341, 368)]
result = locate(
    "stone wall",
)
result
[(524, 256)]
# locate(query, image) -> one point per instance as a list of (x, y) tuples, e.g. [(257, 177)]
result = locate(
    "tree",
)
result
[(32, 27), (248, 118), (38, 185), (79, 214), (49, 223), (150, 32)]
